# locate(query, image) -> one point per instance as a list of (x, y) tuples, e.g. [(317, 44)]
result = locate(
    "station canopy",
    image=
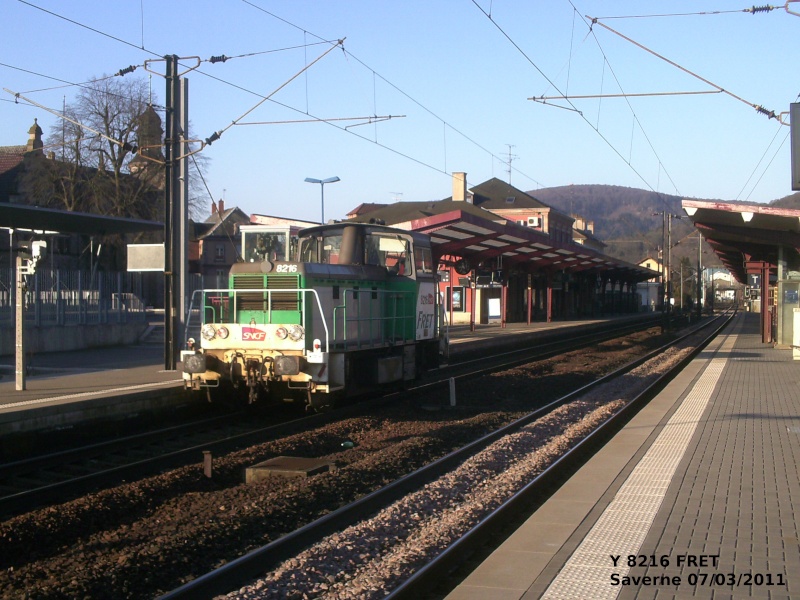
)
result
[(19, 216), (459, 228), (743, 235)]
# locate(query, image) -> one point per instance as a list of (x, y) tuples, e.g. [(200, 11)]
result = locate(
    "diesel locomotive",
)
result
[(330, 311)]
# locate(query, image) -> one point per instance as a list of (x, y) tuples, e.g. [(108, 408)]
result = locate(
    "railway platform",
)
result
[(65, 389), (695, 498), (93, 386), (462, 339)]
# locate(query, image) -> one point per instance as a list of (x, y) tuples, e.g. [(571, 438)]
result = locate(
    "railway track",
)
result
[(255, 563), (59, 476)]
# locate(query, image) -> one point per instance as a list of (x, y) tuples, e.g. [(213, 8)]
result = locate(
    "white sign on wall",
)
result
[(146, 257)]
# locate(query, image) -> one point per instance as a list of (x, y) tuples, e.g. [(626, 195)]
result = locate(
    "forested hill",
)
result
[(792, 201), (625, 219), (617, 211)]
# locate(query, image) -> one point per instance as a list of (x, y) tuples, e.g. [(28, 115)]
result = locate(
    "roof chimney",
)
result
[(221, 206), (459, 186)]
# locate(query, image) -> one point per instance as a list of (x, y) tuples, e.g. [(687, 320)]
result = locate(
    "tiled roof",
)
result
[(364, 208), (401, 212), (10, 157), (496, 194), (223, 224), (12, 150)]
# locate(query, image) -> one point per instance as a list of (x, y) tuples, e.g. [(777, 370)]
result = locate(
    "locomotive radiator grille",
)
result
[(284, 300), (258, 300)]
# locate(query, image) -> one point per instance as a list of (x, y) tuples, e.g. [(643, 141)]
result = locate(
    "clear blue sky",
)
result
[(457, 82)]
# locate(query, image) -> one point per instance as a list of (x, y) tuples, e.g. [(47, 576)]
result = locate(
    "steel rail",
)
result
[(542, 486), (249, 566), (44, 486), (41, 492)]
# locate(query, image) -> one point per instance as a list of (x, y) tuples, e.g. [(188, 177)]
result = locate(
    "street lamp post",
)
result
[(322, 183)]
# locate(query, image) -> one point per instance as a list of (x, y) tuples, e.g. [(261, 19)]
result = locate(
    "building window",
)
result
[(456, 300), (219, 253), (423, 262)]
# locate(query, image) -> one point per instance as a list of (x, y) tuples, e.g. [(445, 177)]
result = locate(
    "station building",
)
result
[(504, 256)]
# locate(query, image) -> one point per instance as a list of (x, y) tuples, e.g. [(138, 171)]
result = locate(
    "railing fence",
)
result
[(60, 297)]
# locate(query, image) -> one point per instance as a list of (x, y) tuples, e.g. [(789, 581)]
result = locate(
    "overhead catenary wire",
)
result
[(61, 115), (130, 68), (222, 58), (209, 140), (367, 120), (400, 91), (217, 134), (635, 116), (573, 107), (85, 85), (751, 9), (780, 118), (210, 195), (84, 26), (766, 168), (769, 164), (760, 160), (758, 108), (543, 99)]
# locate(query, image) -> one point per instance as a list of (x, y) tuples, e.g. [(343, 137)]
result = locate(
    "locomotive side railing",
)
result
[(223, 307), (389, 320)]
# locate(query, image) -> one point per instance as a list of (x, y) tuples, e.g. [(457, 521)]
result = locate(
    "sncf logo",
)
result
[(426, 298), (250, 334)]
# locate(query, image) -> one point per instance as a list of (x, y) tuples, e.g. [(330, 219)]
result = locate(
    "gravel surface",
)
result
[(371, 558), (146, 537)]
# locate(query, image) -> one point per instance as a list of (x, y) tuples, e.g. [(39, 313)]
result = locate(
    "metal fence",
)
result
[(56, 297)]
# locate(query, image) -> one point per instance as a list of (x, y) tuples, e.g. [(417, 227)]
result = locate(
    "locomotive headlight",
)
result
[(296, 333), (208, 332), (223, 333), (281, 333)]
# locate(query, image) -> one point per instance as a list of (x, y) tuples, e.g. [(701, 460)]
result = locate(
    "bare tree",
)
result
[(96, 164), (90, 172)]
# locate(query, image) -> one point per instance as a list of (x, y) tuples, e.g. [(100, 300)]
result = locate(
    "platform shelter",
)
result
[(495, 269), (760, 246)]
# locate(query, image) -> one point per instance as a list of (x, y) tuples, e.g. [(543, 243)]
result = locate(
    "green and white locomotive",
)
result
[(354, 308)]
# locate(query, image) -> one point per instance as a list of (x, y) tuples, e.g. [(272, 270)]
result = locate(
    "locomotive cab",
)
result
[(356, 310)]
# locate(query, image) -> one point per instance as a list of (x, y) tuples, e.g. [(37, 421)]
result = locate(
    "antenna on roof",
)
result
[(508, 162)]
